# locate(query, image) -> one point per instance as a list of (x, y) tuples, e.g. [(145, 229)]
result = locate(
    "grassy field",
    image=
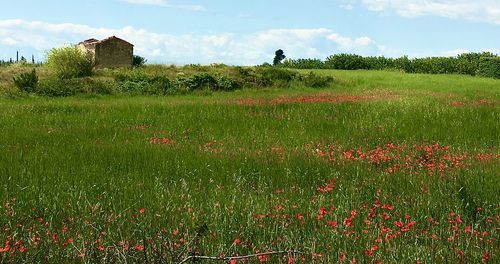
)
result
[(381, 166)]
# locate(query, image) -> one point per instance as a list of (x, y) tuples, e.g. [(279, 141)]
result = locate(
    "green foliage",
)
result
[(303, 64), (26, 81), (205, 81), (137, 82), (278, 57), (317, 81), (138, 61), (225, 83), (201, 81), (277, 75), (489, 67), (467, 63), (346, 62), (70, 62), (160, 80), (55, 87)]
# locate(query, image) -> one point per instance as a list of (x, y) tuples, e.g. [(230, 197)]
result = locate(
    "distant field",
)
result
[(380, 166)]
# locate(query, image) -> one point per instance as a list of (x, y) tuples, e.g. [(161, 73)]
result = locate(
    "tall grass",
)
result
[(157, 179)]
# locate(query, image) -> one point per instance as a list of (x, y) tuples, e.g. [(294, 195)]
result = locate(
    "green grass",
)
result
[(241, 165)]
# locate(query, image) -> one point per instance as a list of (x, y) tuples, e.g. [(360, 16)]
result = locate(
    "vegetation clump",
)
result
[(483, 64), (489, 67), (70, 62), (316, 81), (26, 81), (138, 61)]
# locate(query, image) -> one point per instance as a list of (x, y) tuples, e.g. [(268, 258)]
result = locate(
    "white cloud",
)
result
[(164, 3), (248, 49), (8, 41), (455, 52), (472, 10)]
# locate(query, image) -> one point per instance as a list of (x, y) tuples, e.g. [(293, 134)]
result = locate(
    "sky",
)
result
[(248, 32)]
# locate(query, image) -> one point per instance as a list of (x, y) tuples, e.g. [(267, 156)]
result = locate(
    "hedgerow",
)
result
[(484, 64)]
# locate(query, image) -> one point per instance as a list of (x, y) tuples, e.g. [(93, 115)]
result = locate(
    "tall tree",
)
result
[(279, 56)]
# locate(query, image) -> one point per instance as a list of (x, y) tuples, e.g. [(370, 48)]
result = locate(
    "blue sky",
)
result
[(248, 32)]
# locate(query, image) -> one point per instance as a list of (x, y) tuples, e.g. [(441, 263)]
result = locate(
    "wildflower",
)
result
[(332, 224), (142, 210), (486, 257), (22, 249), (6, 248), (139, 247), (368, 252), (328, 187), (322, 212), (233, 261), (300, 217)]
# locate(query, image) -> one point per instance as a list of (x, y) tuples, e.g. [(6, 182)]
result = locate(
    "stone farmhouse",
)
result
[(110, 52)]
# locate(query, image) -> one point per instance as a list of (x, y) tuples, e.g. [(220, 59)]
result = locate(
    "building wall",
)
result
[(113, 53), (87, 48)]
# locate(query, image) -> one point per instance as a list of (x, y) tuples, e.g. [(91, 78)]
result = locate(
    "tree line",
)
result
[(482, 64)]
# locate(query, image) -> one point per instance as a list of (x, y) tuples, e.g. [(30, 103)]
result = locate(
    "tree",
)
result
[(279, 56), (138, 61)]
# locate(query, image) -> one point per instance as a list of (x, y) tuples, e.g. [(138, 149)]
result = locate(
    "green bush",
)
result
[(489, 67), (160, 85), (225, 83), (346, 62), (276, 76), (55, 87), (248, 77), (316, 81), (303, 64), (137, 82), (70, 62), (138, 61), (26, 81)]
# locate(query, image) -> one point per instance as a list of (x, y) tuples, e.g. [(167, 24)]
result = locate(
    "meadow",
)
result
[(377, 167)]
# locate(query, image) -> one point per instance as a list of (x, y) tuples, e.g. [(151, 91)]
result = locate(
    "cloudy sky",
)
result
[(248, 32)]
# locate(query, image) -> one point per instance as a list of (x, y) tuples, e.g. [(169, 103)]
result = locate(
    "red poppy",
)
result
[(139, 247)]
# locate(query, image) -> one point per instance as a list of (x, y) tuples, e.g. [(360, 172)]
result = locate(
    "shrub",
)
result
[(55, 87), (276, 76), (137, 82), (489, 67), (133, 87), (403, 64), (316, 81), (26, 81), (225, 83), (202, 81), (138, 61), (70, 62), (160, 85), (304, 64), (346, 62)]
